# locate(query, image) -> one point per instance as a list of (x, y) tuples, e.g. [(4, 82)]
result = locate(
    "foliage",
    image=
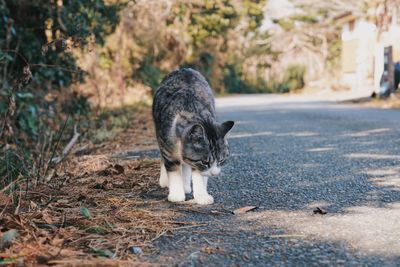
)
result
[(46, 45), (148, 74), (12, 166), (37, 66), (210, 19), (222, 20), (293, 78), (155, 37), (234, 83)]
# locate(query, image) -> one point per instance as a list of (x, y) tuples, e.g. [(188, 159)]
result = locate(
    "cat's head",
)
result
[(205, 148)]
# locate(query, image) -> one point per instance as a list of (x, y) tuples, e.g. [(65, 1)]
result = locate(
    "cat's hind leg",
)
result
[(163, 176), (187, 178), (200, 193)]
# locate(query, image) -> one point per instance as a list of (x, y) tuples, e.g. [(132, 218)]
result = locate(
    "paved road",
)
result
[(290, 156)]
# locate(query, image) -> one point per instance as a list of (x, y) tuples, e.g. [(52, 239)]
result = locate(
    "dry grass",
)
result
[(138, 134), (92, 212)]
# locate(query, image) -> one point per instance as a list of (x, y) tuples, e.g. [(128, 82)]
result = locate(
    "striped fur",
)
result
[(186, 127)]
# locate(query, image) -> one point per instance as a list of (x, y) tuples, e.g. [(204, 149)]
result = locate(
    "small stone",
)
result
[(135, 250)]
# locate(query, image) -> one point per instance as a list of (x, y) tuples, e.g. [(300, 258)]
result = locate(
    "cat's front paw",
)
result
[(204, 199), (176, 197), (188, 189), (163, 182)]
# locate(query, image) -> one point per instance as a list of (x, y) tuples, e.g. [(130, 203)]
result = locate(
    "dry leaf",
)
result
[(119, 169), (244, 209), (213, 250), (46, 217), (318, 210), (57, 241)]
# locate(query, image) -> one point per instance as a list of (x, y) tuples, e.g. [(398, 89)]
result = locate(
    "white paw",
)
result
[(205, 199), (174, 197), (163, 182), (188, 189)]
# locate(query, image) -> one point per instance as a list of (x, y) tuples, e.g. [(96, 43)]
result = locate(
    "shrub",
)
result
[(37, 66)]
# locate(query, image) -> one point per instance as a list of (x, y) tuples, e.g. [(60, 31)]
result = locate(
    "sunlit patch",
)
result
[(372, 156), (374, 231), (366, 133), (367, 143), (389, 181), (241, 135), (385, 177), (381, 172)]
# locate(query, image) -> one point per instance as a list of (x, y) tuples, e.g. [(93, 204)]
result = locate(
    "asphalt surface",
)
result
[(289, 156)]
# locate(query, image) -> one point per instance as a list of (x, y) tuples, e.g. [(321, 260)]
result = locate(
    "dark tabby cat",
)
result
[(192, 144)]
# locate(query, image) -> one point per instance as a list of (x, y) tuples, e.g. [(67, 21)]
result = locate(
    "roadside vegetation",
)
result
[(76, 79)]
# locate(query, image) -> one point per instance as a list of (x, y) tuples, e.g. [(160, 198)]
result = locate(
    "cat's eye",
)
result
[(202, 162), (222, 161)]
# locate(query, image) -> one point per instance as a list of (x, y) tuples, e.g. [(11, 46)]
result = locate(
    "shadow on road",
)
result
[(341, 159)]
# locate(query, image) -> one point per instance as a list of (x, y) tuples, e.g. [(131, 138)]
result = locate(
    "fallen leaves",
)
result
[(78, 222), (112, 170), (92, 212), (318, 210)]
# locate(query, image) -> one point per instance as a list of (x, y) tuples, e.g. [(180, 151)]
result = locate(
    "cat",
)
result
[(193, 145)]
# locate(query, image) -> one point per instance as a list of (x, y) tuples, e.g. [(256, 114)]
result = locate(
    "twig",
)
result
[(41, 156), (56, 67), (159, 235), (71, 142), (5, 206), (189, 226), (17, 53), (209, 242), (56, 145), (63, 219), (84, 237), (68, 147), (16, 211), (9, 185)]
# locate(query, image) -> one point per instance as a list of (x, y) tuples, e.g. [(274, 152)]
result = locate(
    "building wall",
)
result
[(358, 44), (363, 52)]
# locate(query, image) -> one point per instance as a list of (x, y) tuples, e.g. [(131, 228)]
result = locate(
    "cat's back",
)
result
[(183, 90)]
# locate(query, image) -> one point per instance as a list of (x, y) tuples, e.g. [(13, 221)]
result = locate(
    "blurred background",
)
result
[(69, 67)]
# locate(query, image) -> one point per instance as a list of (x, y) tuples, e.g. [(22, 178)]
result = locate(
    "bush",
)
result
[(292, 80), (234, 83), (37, 66)]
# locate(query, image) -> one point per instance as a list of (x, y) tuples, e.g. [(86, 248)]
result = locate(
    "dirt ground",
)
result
[(93, 210)]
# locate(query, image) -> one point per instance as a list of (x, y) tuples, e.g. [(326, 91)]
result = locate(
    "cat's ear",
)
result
[(196, 133), (227, 126)]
